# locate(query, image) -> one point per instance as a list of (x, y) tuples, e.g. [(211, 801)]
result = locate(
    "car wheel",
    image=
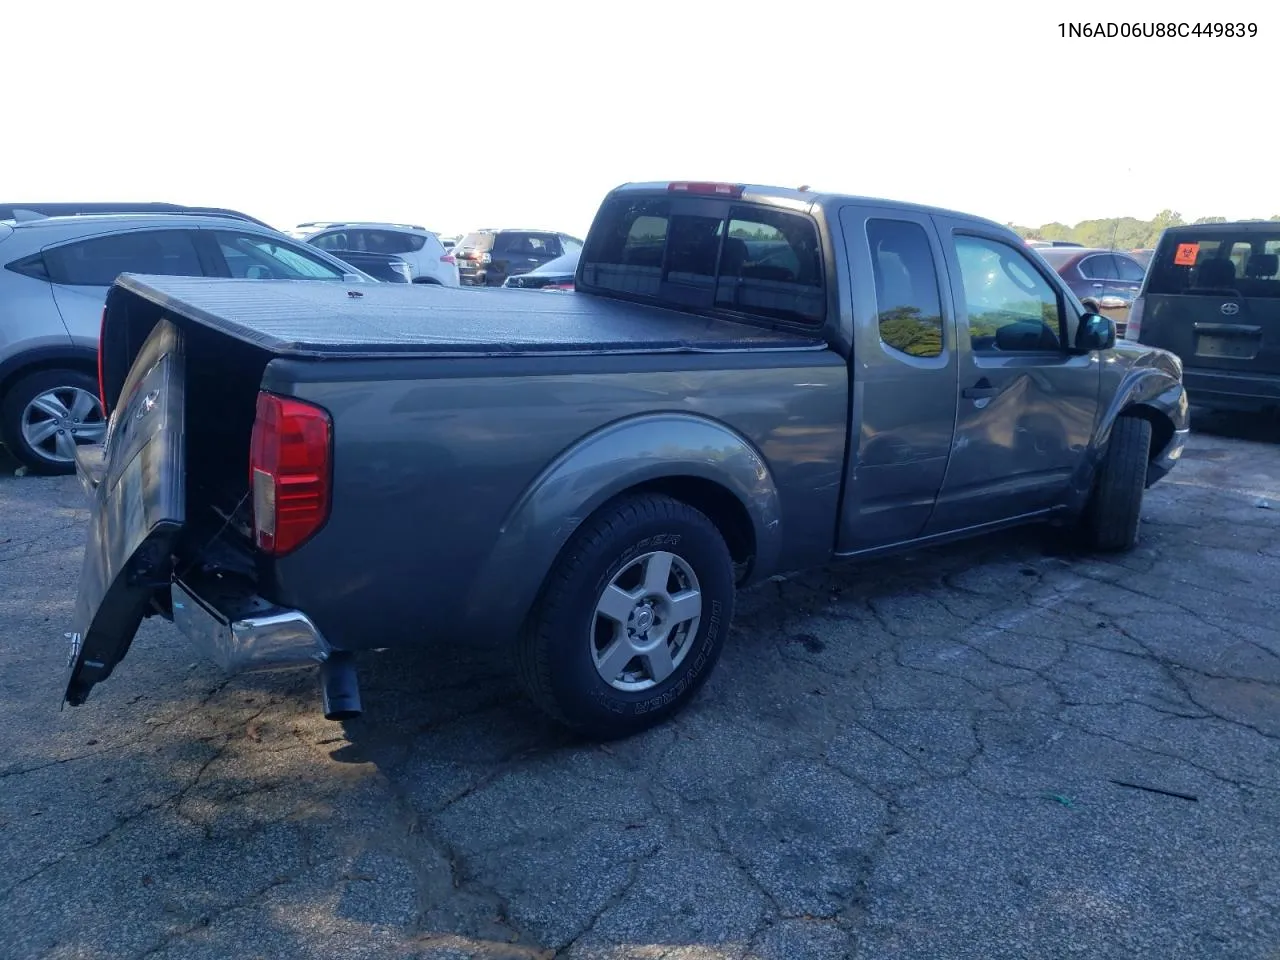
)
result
[(46, 414), (631, 620), (1115, 507), (431, 280)]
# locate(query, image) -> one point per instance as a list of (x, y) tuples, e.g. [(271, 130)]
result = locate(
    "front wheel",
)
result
[(1115, 506), (631, 620)]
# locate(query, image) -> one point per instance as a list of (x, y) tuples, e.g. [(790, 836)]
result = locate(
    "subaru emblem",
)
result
[(1231, 309)]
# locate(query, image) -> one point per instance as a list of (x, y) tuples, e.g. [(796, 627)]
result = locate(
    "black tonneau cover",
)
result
[(324, 319)]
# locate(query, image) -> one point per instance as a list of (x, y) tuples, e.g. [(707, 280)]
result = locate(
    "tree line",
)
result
[(1124, 233)]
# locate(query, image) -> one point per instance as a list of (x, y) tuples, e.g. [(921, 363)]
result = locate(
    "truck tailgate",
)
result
[(136, 484)]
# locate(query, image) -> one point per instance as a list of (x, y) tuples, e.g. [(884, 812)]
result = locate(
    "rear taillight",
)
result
[(1133, 324), (289, 472), (102, 387), (448, 258)]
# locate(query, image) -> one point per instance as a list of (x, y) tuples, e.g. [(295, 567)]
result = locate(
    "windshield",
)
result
[(476, 241)]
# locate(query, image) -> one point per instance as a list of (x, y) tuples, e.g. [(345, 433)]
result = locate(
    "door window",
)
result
[(98, 261), (906, 281), (266, 258), (332, 241), (1011, 307), (1101, 266)]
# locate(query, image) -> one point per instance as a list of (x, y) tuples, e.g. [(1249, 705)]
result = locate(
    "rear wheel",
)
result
[(1115, 507), (45, 415), (632, 619)]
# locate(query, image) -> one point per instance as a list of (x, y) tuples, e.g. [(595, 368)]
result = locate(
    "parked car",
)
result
[(1106, 281), (35, 211), (554, 275), (1143, 256), (488, 257), (304, 230), (55, 274), (417, 246), (593, 475), (1212, 296), (387, 267)]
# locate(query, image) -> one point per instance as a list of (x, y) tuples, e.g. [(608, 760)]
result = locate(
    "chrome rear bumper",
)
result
[(242, 632)]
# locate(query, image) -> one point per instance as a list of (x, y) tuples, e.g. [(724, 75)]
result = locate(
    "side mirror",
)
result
[(1095, 332)]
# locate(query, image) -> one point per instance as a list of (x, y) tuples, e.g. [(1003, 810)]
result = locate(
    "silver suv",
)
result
[(54, 276), (417, 246)]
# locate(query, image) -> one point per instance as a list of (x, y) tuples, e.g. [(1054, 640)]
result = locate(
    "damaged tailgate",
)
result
[(136, 486)]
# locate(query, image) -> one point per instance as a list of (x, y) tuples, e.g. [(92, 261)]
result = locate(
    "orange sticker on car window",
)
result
[(1186, 254)]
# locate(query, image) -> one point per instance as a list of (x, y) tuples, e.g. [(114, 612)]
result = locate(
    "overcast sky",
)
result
[(489, 113)]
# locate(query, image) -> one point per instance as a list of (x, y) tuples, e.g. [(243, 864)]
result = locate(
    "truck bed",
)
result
[(326, 320)]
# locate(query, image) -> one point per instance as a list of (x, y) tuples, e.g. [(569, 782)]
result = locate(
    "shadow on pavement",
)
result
[(1255, 427)]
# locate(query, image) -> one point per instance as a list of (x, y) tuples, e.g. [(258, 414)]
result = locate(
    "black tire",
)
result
[(554, 652), (16, 400), (1115, 506), (431, 281)]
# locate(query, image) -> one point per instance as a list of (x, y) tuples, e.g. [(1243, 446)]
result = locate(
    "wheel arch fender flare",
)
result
[(600, 466), (49, 357), (1145, 391)]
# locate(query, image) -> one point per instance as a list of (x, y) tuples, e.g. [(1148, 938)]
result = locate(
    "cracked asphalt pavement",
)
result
[(994, 749)]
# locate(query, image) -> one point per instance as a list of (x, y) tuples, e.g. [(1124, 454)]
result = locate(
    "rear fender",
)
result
[(599, 467)]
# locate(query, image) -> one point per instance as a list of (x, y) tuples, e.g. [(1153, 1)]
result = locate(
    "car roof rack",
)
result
[(37, 211)]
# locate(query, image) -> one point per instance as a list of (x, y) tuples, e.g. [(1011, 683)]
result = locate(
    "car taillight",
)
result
[(448, 258), (1133, 324), (102, 386), (706, 189), (289, 472)]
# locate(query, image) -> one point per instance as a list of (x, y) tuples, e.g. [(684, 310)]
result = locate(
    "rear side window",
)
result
[(906, 281), (390, 241), (98, 261), (514, 243), (1130, 270), (741, 258), (1246, 264)]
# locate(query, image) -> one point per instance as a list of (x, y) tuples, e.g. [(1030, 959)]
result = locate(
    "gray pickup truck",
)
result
[(746, 381)]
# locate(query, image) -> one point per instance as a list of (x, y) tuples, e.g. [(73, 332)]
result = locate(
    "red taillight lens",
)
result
[(102, 387), (448, 258), (706, 189), (289, 472)]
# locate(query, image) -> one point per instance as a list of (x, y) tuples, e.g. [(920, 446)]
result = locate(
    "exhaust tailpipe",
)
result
[(339, 687)]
